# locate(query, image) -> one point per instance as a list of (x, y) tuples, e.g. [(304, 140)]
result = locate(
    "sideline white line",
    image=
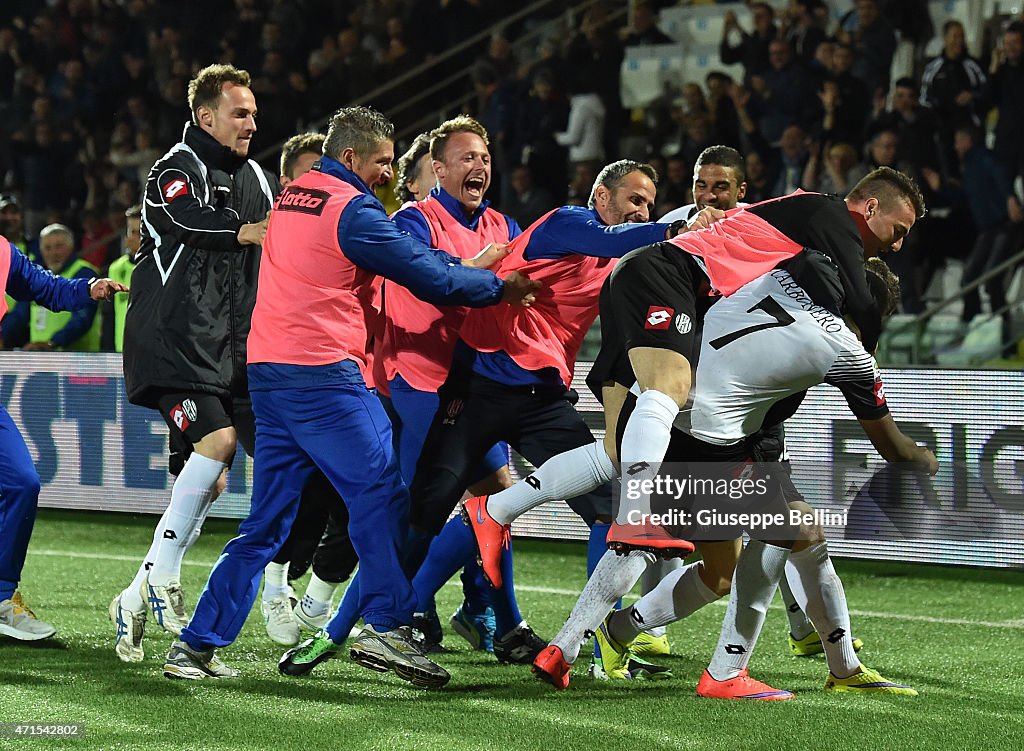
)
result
[(1017, 624)]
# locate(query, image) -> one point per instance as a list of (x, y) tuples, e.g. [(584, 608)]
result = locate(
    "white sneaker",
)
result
[(309, 622), (130, 629), (282, 627), (167, 603), (20, 623)]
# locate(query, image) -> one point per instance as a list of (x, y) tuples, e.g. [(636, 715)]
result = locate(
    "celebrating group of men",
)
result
[(377, 368)]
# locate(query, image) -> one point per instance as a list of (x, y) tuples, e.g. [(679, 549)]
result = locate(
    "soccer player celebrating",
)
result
[(203, 220), (734, 392), (719, 181)]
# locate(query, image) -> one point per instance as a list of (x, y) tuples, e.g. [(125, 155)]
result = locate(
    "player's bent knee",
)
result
[(661, 370), (494, 483), (218, 445), (503, 478)]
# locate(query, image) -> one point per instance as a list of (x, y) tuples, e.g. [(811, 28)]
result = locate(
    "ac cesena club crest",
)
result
[(190, 409), (683, 323)]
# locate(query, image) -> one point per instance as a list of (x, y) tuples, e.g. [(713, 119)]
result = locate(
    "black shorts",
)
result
[(769, 445), (193, 415), (474, 413), (654, 298), (688, 457)]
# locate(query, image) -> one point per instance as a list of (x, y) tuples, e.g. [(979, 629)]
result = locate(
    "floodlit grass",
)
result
[(955, 634)]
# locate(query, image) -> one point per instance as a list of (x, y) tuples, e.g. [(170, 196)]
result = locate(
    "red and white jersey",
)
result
[(766, 342)]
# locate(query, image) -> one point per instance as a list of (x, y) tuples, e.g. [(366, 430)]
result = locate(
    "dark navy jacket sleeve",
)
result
[(31, 282), (371, 240), (831, 230), (576, 230)]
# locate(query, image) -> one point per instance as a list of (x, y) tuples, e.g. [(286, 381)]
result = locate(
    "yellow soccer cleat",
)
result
[(811, 645), (867, 681), (646, 645), (614, 660)]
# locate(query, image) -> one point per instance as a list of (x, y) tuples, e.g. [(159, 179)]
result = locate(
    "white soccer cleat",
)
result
[(130, 629), (18, 622), (282, 626), (167, 604)]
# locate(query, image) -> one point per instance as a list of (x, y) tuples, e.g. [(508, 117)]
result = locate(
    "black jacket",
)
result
[(194, 287)]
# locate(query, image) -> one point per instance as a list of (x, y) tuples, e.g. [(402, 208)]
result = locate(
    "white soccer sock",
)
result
[(133, 598), (319, 595), (652, 577), (680, 594), (753, 586), (614, 576), (190, 502), (826, 606), (644, 443), (198, 531), (799, 626), (275, 580), (566, 475)]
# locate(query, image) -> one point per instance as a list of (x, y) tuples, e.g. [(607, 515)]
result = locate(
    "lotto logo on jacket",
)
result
[(306, 200), (174, 189)]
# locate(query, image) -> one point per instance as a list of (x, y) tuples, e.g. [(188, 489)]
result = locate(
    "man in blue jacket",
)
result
[(24, 280)]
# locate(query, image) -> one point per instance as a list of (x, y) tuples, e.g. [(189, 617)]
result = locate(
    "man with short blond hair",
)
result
[(193, 290)]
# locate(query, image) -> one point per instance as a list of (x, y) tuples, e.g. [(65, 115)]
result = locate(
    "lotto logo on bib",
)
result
[(658, 318), (179, 418), (303, 200)]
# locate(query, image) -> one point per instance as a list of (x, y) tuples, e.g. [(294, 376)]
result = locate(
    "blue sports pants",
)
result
[(342, 429), (19, 496)]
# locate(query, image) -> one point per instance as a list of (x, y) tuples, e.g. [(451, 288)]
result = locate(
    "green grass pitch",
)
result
[(955, 634)]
